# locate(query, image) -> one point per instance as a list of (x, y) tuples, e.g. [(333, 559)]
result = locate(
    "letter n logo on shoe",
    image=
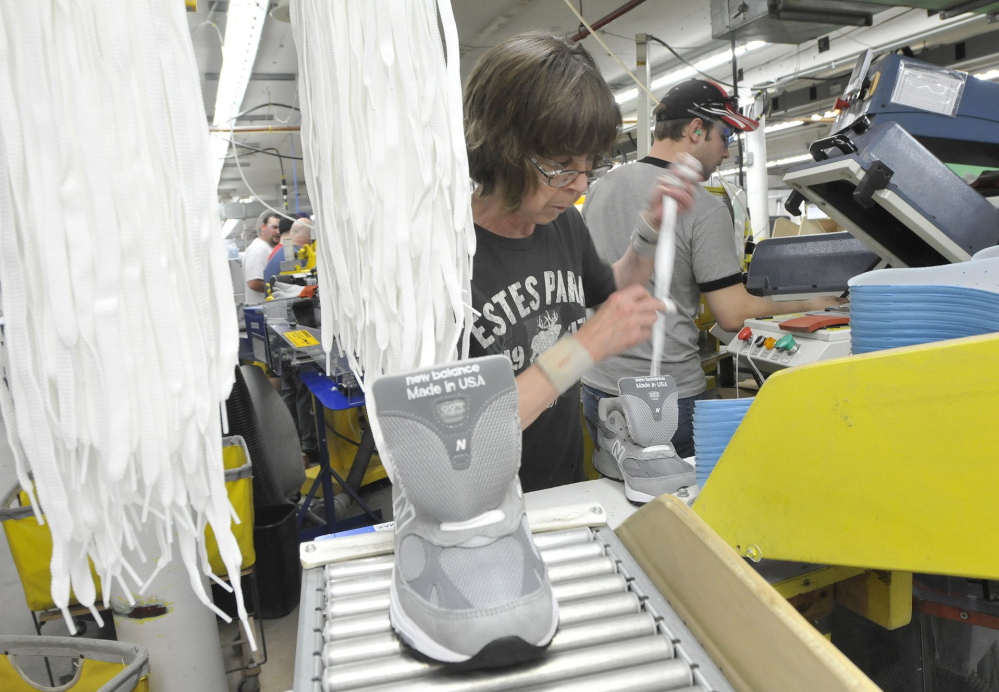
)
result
[(618, 450)]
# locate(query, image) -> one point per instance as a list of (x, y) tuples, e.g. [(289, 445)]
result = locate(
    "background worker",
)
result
[(255, 257), (299, 234), (699, 118)]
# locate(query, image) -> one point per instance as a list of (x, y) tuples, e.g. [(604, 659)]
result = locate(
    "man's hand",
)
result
[(679, 183), (824, 302), (625, 319)]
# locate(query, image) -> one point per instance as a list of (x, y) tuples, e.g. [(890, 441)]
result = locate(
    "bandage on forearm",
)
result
[(565, 362), (644, 238)]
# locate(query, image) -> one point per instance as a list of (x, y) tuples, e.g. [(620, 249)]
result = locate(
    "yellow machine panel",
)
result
[(881, 461)]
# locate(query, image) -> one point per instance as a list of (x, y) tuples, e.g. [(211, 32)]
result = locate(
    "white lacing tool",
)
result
[(687, 168)]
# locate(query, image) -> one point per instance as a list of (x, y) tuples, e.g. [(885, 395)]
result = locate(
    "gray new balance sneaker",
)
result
[(469, 585), (633, 439)]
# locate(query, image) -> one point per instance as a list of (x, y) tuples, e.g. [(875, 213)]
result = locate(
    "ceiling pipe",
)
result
[(603, 21)]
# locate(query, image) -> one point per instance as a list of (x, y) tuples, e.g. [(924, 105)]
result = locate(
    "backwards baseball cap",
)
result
[(701, 98)]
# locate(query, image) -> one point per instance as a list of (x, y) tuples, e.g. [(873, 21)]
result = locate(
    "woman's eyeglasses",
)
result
[(561, 177)]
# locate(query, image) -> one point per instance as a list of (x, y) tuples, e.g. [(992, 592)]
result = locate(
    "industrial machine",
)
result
[(889, 175), (890, 180)]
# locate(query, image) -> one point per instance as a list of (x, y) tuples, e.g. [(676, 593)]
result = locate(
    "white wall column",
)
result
[(643, 136), (756, 181), (181, 634)]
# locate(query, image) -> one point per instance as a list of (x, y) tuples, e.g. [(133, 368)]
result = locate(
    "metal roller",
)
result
[(355, 605), (564, 546), (351, 586), (550, 668), (362, 566), (651, 677), (570, 613), (568, 553), (564, 591), (567, 638), (557, 539), (383, 563), (565, 571), (385, 671), (365, 648), (371, 600), (588, 588), (580, 569), (620, 628), (591, 609), (356, 626)]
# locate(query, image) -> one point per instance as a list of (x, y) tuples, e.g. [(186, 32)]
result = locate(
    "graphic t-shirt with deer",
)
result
[(529, 292)]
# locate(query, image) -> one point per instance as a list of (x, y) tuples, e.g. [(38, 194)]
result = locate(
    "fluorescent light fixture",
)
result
[(770, 164), (991, 74), (244, 23), (789, 160), (783, 126), (626, 96), (687, 72), (228, 226)]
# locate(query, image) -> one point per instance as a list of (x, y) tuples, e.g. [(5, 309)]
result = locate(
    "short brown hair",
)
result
[(265, 216), (673, 129), (534, 94)]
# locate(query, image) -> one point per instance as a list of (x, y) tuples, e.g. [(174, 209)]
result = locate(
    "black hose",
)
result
[(243, 422)]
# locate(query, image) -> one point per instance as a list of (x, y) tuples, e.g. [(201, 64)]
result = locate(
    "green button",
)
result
[(786, 342)]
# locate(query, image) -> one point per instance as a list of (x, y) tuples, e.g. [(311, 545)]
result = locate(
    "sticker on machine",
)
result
[(301, 338), (928, 88)]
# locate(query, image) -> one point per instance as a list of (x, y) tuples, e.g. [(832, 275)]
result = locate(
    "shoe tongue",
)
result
[(650, 408)]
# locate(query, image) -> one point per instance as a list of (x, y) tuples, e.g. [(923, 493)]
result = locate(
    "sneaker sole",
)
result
[(636, 496), (500, 652)]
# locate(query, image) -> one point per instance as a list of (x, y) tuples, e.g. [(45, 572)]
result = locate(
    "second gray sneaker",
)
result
[(634, 432)]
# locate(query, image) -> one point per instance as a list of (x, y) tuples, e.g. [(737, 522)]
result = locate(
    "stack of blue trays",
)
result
[(903, 307), (715, 421)]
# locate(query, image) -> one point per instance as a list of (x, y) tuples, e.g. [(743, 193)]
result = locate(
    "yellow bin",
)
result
[(103, 666), (31, 542)]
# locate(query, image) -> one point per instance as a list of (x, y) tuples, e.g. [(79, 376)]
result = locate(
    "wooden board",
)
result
[(757, 638)]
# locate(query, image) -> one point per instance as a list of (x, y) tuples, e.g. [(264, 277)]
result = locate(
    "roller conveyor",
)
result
[(616, 632)]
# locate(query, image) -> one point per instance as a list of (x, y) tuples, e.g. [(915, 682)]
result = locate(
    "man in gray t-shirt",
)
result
[(696, 117)]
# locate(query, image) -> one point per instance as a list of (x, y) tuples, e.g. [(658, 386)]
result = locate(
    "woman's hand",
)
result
[(679, 183), (625, 319)]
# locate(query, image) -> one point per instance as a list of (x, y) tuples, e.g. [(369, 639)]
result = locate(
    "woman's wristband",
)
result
[(644, 237), (565, 362)]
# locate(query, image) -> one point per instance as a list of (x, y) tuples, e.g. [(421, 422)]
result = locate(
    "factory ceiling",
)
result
[(685, 26)]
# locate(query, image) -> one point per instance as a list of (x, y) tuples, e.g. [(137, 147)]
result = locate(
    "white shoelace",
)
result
[(386, 165), (120, 338)]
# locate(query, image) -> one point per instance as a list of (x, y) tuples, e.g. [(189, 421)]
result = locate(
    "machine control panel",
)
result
[(771, 348)]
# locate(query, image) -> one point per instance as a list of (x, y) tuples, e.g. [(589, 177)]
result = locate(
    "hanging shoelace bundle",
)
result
[(119, 339), (387, 171)]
